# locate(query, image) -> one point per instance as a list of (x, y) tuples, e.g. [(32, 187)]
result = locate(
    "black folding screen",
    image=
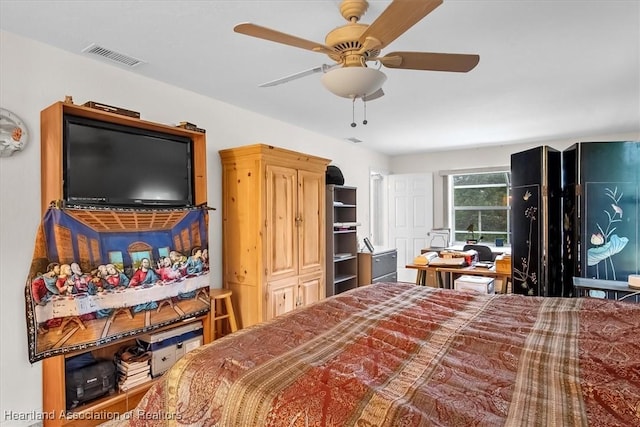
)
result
[(574, 214), (536, 251), (602, 186)]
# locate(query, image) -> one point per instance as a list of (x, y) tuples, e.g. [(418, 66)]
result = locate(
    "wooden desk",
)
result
[(452, 272)]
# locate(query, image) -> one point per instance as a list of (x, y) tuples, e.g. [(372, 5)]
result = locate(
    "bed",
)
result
[(397, 354)]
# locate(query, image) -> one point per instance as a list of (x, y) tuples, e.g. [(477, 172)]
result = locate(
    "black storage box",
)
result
[(89, 382)]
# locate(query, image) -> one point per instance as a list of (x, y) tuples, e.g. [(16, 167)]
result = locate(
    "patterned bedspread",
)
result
[(395, 354)]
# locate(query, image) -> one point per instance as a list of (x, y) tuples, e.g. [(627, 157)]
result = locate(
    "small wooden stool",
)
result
[(218, 296)]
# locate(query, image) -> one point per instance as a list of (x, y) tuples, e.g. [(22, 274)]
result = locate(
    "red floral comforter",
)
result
[(395, 354)]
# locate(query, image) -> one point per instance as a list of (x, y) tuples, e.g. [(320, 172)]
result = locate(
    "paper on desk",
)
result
[(454, 262), (424, 259)]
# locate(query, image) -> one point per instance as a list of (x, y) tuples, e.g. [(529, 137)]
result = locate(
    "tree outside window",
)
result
[(479, 206)]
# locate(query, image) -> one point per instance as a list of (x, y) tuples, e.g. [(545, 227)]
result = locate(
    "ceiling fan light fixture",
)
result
[(353, 82)]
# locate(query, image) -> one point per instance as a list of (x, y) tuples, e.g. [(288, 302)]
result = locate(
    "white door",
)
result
[(410, 218)]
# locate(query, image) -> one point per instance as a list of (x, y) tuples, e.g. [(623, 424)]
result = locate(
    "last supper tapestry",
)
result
[(98, 275)]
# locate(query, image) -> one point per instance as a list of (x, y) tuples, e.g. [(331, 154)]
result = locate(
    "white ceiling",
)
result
[(549, 69)]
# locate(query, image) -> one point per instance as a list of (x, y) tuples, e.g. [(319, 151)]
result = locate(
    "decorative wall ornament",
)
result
[(98, 275), (13, 133)]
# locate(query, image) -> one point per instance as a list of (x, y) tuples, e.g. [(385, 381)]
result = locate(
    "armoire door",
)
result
[(281, 222), (282, 297), (311, 221), (309, 288)]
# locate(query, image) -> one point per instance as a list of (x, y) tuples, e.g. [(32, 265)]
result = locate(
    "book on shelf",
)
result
[(345, 225), (126, 368), (190, 126), (133, 370), (342, 255), (130, 383), (111, 109), (129, 364), (131, 376), (134, 377)]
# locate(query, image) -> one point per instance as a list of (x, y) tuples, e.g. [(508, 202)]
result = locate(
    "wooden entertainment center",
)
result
[(53, 368)]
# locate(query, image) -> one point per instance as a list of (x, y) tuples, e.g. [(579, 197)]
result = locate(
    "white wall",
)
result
[(496, 156), (32, 77)]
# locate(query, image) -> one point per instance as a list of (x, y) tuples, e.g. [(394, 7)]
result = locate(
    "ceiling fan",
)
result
[(353, 45)]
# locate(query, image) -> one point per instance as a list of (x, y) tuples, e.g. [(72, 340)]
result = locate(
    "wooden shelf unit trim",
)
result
[(121, 403), (51, 150), (51, 156), (275, 155), (53, 384)]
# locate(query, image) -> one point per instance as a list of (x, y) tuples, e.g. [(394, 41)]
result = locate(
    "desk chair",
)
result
[(484, 252)]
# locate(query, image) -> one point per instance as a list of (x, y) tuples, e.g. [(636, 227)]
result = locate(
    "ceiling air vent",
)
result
[(354, 140), (111, 55)]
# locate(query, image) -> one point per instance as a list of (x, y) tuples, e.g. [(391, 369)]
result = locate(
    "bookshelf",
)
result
[(342, 239)]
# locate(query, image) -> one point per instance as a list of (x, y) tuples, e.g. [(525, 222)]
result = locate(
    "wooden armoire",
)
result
[(273, 223)]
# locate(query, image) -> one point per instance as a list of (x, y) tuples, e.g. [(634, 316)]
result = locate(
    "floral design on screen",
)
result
[(604, 242), (528, 279)]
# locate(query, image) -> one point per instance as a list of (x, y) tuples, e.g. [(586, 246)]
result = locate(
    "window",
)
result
[(163, 252), (479, 206), (138, 256), (115, 258)]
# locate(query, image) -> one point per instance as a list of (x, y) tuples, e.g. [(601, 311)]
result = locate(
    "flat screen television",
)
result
[(107, 164)]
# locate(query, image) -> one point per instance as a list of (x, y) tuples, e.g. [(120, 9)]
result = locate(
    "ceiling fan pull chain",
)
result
[(364, 103), (353, 112)]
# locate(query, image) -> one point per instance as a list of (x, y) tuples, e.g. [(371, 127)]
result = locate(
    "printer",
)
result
[(167, 347), (480, 284)]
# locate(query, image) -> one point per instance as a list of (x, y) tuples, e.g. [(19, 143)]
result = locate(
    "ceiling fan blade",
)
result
[(375, 95), (265, 33), (397, 18), (455, 62), (321, 69)]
